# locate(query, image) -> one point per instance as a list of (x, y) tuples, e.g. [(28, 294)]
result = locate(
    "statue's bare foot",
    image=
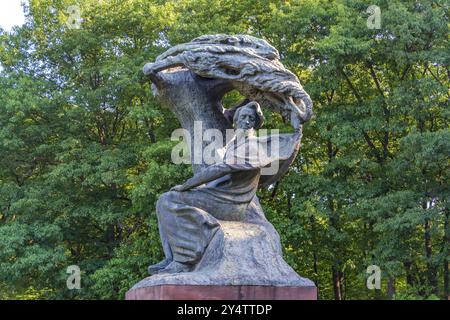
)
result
[(155, 268), (176, 267)]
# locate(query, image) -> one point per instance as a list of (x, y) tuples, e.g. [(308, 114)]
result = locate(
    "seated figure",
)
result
[(188, 214)]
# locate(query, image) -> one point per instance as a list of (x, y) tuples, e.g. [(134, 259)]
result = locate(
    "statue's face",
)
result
[(246, 119)]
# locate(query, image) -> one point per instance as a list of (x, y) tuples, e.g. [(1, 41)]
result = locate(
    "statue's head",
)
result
[(248, 117)]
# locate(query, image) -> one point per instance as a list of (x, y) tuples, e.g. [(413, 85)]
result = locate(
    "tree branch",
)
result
[(365, 134)]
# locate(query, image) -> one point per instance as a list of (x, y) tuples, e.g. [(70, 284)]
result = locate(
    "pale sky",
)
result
[(11, 14)]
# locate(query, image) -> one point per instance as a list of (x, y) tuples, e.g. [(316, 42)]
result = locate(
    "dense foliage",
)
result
[(85, 148)]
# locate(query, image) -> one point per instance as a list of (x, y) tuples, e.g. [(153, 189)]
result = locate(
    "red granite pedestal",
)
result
[(205, 292)]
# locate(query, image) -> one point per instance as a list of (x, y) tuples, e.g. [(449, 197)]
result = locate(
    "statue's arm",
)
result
[(296, 123), (208, 174)]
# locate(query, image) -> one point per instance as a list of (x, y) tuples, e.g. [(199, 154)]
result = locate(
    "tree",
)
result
[(85, 148)]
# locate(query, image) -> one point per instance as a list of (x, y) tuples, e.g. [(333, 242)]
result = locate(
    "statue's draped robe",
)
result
[(188, 219)]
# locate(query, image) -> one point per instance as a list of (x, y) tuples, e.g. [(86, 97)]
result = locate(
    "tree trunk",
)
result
[(315, 258), (409, 276), (337, 283), (391, 288), (316, 272), (446, 279), (336, 271), (431, 268)]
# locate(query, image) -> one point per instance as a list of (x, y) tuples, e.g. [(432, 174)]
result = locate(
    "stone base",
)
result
[(206, 292)]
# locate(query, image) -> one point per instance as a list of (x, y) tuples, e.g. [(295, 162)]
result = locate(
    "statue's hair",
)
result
[(243, 63), (256, 108), (249, 64)]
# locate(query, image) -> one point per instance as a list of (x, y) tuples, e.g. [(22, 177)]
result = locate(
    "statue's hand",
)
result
[(179, 188), (296, 120), (148, 68)]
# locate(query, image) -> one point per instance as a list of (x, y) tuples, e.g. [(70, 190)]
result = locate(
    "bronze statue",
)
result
[(213, 229), (222, 191)]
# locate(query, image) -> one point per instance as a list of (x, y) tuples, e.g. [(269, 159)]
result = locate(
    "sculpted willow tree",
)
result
[(212, 227)]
